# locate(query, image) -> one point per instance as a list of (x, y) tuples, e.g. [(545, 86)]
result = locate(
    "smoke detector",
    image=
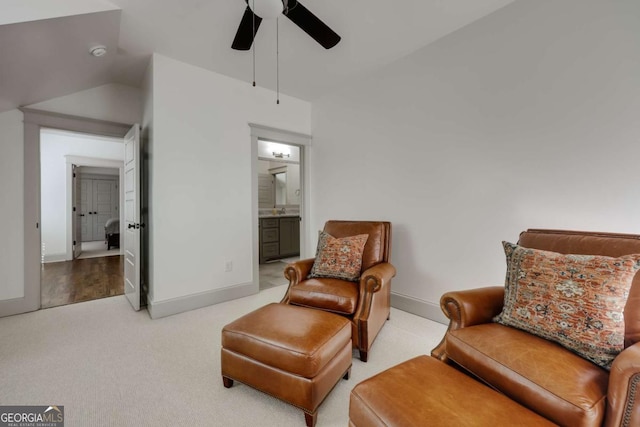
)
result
[(98, 50)]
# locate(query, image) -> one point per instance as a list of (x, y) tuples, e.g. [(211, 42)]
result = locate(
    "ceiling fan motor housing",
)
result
[(267, 9)]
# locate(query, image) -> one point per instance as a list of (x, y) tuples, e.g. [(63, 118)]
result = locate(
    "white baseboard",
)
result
[(418, 307), (54, 258), (158, 309)]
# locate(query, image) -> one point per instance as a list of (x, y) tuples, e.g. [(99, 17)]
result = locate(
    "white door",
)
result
[(98, 204), (76, 224), (132, 216)]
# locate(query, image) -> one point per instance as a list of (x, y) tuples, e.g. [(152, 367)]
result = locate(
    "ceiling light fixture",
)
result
[(98, 51)]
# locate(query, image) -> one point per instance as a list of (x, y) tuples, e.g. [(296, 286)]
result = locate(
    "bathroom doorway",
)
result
[(283, 151), (279, 198)]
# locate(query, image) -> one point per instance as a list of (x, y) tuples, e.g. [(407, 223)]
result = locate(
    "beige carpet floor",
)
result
[(111, 366)]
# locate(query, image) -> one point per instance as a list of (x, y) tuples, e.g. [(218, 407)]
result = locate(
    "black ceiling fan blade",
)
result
[(312, 25), (246, 32)]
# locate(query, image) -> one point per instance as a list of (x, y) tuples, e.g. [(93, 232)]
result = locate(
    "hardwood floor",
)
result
[(80, 280)]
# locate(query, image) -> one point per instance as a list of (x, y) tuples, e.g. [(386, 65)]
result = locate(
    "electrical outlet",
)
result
[(228, 266)]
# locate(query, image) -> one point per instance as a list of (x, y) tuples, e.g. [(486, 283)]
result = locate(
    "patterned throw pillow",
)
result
[(339, 258), (574, 300)]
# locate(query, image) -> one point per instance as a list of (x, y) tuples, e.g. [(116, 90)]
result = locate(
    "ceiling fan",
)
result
[(292, 9)]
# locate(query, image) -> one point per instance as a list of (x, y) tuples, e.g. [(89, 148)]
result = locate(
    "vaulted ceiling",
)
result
[(44, 44)]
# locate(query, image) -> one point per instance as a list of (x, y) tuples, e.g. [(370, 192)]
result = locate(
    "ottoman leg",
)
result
[(228, 382), (311, 418)]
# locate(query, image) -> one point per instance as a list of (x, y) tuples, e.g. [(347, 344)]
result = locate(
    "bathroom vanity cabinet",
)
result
[(279, 237)]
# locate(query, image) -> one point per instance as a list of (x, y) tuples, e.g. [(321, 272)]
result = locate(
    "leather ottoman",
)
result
[(293, 353), (426, 392)]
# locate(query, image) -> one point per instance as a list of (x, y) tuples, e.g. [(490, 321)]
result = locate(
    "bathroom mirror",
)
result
[(278, 185)]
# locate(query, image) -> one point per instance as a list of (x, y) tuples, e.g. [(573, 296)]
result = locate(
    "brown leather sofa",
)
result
[(365, 303), (538, 374)]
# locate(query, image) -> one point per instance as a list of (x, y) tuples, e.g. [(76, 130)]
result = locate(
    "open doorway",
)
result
[(96, 232), (81, 195), (34, 121), (291, 139), (279, 214)]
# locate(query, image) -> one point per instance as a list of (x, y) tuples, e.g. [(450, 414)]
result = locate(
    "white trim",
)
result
[(419, 307), (54, 258), (279, 135), (94, 161), (301, 140), (203, 299), (49, 119)]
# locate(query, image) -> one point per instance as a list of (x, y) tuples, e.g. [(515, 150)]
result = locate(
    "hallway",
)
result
[(80, 280)]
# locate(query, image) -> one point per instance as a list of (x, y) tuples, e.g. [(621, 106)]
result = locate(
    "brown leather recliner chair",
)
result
[(367, 302), (541, 375)]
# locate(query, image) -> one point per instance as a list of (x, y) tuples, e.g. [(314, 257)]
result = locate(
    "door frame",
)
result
[(34, 120), (95, 162), (301, 140)]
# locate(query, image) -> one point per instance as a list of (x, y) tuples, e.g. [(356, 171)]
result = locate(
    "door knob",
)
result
[(131, 226)]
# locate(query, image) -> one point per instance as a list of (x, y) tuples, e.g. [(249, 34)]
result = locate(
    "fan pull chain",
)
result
[(277, 61), (253, 43)]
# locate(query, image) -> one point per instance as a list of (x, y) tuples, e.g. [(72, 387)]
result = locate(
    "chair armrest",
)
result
[(376, 277), (374, 294), (473, 306), (296, 272), (623, 394), (299, 270), (468, 308)]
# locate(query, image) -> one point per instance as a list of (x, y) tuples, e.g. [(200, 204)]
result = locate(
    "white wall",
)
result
[(527, 118), (111, 102), (201, 175), (53, 183), (11, 213)]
